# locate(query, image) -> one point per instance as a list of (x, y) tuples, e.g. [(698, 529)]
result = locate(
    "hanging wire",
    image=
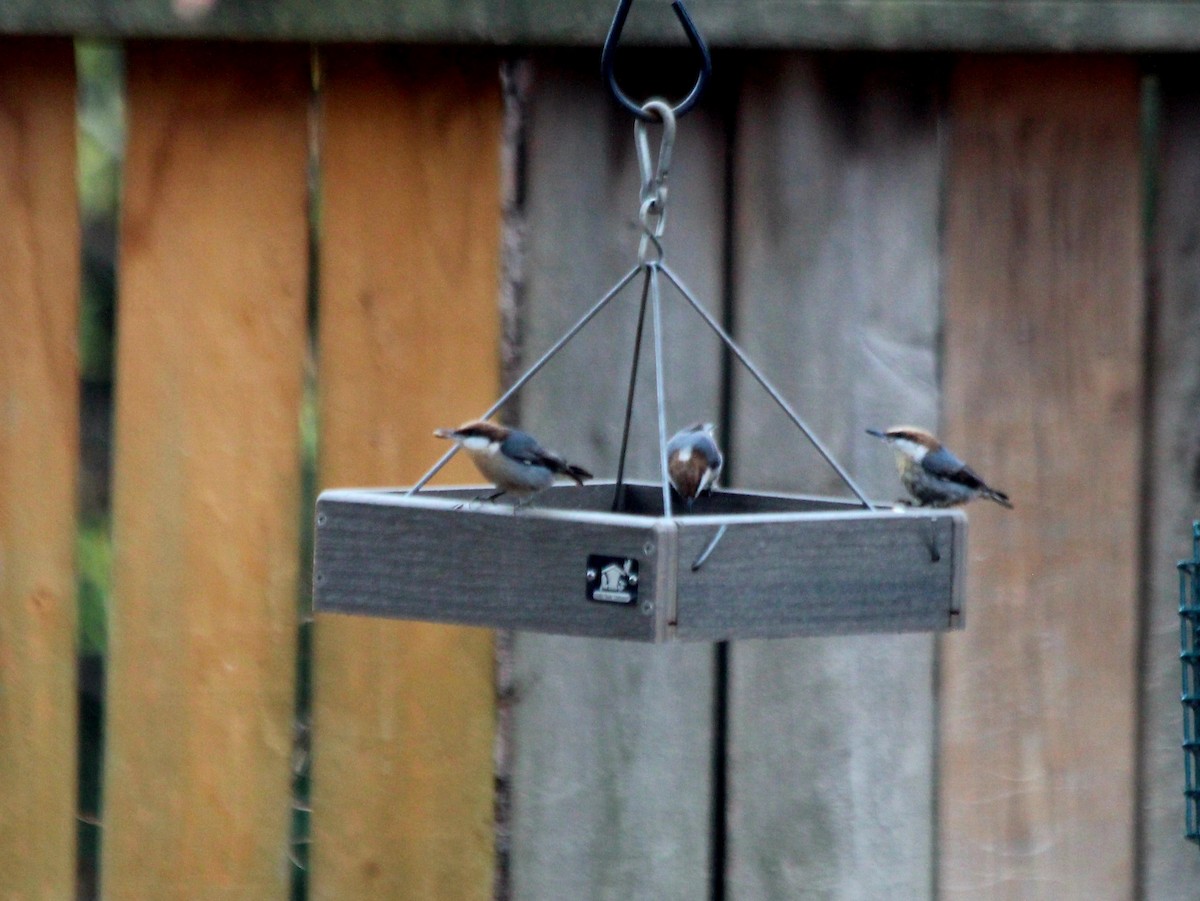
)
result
[(531, 372), (652, 214), (659, 387), (618, 503), (766, 385)]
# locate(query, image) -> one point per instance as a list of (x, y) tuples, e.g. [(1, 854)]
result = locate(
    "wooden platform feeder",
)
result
[(785, 566), (741, 565)]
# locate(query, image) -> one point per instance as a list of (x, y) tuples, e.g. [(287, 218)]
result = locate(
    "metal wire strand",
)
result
[(660, 393), (618, 503), (532, 371), (766, 385)]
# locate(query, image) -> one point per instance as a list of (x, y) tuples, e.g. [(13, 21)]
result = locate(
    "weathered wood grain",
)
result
[(422, 559), (829, 574), (206, 487), (1128, 25), (612, 741), (830, 759), (1173, 485), (1043, 386), (39, 448), (409, 331)]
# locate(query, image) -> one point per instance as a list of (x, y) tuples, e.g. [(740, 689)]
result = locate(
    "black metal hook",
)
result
[(610, 51)]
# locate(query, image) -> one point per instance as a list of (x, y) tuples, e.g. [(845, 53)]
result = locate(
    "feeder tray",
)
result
[(785, 566)]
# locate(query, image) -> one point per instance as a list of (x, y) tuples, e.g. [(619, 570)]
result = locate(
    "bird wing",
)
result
[(942, 462), (712, 453), (523, 448)]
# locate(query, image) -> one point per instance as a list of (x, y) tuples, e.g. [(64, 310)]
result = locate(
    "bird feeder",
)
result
[(613, 559)]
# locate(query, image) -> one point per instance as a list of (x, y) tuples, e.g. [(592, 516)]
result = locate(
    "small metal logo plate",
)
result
[(612, 580)]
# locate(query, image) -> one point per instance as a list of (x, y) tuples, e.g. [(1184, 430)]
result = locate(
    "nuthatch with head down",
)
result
[(693, 461), (511, 459), (931, 473)]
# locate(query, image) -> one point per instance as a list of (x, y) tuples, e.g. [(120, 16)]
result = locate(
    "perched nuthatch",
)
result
[(693, 461), (511, 459), (931, 473)]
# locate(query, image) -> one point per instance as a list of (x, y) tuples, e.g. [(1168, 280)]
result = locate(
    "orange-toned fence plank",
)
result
[(209, 377), (39, 387), (409, 336), (1043, 383)]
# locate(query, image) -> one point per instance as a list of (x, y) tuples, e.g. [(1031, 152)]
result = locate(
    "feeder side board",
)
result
[(823, 577), (487, 567)]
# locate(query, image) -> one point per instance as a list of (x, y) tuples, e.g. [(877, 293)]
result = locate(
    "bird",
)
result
[(510, 459), (694, 461), (931, 473)]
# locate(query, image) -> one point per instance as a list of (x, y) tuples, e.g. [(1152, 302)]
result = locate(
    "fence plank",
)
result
[(837, 197), (39, 447), (409, 341), (612, 742), (209, 374), (1043, 386), (1168, 862)]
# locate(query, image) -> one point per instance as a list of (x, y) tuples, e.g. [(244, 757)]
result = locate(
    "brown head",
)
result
[(909, 440), (478, 429)]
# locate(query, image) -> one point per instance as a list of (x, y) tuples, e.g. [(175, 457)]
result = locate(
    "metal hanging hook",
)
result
[(652, 212), (610, 51)]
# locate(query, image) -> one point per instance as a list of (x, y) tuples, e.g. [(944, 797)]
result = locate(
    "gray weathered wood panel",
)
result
[(1130, 25), (834, 573), (814, 568), (1169, 862), (419, 558), (612, 741), (831, 754)]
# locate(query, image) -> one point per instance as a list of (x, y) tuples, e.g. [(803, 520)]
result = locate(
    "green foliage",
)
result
[(101, 150), (93, 552), (101, 76)]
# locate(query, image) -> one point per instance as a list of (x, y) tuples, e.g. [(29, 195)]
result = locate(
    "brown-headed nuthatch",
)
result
[(511, 459), (931, 473), (694, 461)]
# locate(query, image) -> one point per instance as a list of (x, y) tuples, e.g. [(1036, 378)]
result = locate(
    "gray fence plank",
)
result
[(1169, 862), (611, 746), (1128, 25), (831, 740)]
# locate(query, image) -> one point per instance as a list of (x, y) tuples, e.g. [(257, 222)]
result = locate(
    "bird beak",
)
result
[(445, 433), (877, 433)]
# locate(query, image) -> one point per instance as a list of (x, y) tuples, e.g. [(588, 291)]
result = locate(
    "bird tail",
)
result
[(578, 473), (998, 496)]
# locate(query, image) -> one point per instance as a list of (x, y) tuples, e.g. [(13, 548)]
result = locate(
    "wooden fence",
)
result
[(1000, 247)]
